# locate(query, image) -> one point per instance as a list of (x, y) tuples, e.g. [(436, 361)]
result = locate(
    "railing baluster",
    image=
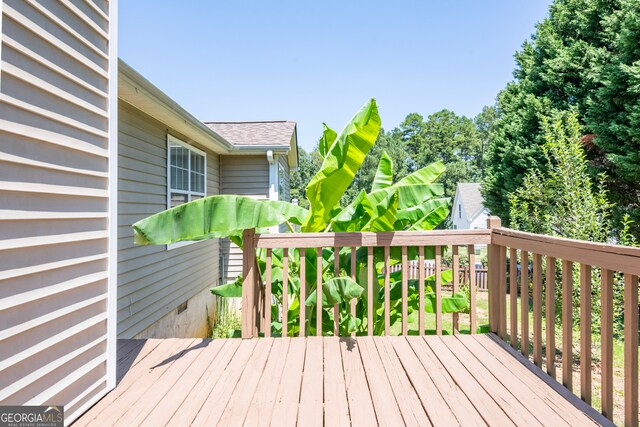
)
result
[(473, 326), (513, 296), (438, 268), (336, 309), (421, 277), (630, 350), (267, 295), (524, 302), (585, 332), (456, 283), (405, 291), (387, 280), (285, 292), (319, 292), (537, 310), (353, 301), (370, 291), (567, 324), (606, 335), (550, 316), (502, 265), (303, 292)]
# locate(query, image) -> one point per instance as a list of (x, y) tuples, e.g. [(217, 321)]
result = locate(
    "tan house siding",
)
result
[(153, 281), (54, 203), (246, 176)]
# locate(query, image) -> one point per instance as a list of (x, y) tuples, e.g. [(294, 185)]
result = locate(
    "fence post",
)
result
[(493, 273), (249, 295)]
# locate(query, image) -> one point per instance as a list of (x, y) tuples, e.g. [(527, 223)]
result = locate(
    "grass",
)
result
[(618, 360), (482, 318)]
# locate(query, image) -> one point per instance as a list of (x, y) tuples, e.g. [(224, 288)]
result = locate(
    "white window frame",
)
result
[(173, 140)]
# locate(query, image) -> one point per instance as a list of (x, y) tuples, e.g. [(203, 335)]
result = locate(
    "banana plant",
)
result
[(415, 202)]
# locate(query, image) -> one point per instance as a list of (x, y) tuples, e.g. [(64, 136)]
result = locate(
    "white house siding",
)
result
[(246, 176), (54, 202), (479, 221), (154, 281)]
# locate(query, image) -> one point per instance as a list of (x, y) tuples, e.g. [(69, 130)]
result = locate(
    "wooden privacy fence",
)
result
[(464, 273), (257, 295)]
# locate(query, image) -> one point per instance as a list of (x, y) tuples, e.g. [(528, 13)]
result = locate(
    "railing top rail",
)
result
[(613, 257), (366, 239)]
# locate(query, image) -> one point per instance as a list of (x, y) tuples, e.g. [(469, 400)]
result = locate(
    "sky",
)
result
[(314, 62)]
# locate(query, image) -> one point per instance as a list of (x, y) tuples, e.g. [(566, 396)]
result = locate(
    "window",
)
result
[(186, 176), (187, 172), (459, 211)]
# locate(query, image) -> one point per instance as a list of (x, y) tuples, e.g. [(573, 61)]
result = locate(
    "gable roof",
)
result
[(470, 197), (272, 133)]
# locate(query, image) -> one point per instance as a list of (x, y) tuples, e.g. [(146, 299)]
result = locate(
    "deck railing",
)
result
[(256, 294), (519, 264), (614, 266)]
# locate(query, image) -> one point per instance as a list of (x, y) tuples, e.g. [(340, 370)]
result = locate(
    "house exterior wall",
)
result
[(458, 214), (57, 92), (284, 192), (479, 222), (245, 176), (154, 281)]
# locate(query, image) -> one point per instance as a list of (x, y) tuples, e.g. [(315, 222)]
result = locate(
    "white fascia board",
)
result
[(476, 214)]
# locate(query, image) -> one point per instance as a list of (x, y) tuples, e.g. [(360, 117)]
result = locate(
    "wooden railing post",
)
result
[(493, 254), (249, 276)]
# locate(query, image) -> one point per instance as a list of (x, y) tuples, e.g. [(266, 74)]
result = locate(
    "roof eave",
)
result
[(137, 91)]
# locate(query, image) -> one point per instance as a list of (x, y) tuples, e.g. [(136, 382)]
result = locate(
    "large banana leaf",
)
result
[(384, 174), (214, 216), (340, 165), (326, 141), (336, 291)]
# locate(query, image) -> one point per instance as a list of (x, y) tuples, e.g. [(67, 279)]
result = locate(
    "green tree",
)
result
[(308, 166), (613, 113), (446, 137), (561, 200), (580, 59), (485, 125)]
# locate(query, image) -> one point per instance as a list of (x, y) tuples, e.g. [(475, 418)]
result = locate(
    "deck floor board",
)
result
[(450, 380)]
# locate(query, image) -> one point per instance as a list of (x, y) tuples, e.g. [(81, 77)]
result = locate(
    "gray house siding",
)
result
[(153, 281), (284, 192), (246, 176), (54, 203)]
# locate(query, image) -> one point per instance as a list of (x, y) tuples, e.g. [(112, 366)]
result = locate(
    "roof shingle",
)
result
[(276, 133), (469, 193)]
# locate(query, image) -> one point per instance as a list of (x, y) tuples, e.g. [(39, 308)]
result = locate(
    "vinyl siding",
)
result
[(246, 176), (153, 281), (54, 203), (285, 196)]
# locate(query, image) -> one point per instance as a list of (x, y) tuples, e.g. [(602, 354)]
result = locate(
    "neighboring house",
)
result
[(163, 291), (468, 211), (263, 176)]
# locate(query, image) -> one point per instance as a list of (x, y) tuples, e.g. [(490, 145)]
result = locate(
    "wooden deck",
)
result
[(367, 381)]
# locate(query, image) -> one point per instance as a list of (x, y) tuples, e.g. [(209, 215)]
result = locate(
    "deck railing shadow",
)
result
[(514, 331)]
